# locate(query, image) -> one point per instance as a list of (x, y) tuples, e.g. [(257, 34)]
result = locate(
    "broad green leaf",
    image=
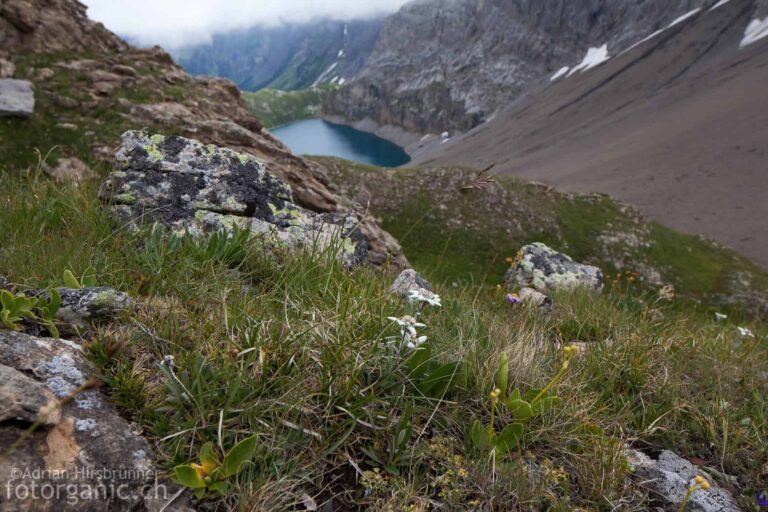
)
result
[(515, 395), (529, 395), (441, 381), (509, 437), (479, 435), (221, 486), (208, 455), (70, 281), (519, 409), (187, 476), (199, 492), (502, 375), (54, 302), (7, 299), (417, 363), (237, 456)]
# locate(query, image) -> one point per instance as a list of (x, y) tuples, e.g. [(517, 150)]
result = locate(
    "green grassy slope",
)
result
[(297, 351), (274, 107), (465, 235)]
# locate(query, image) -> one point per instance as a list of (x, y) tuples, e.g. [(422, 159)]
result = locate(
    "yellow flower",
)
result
[(510, 259), (705, 485), (495, 394), (699, 479), (204, 469)]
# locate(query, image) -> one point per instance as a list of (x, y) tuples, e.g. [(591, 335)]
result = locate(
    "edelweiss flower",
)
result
[(422, 295), (745, 333), (407, 324), (719, 317)]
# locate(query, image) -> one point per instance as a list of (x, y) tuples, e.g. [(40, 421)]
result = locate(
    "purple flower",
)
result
[(512, 298), (762, 499)]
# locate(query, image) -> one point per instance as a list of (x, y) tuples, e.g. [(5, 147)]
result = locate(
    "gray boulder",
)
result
[(69, 170), (669, 477), (17, 98), (544, 269), (78, 442), (409, 280), (197, 188), (80, 306)]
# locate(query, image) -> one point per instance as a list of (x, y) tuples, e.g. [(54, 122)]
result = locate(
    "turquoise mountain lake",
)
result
[(318, 137)]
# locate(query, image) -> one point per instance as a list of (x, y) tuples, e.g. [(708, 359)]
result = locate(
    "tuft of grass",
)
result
[(294, 349)]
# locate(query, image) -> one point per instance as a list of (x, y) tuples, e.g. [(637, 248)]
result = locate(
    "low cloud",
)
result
[(178, 23)]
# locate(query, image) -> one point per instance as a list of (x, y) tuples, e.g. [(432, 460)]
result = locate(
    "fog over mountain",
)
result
[(178, 23)]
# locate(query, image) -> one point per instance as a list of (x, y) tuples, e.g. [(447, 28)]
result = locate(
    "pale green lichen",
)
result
[(154, 152), (157, 138), (104, 299), (125, 198)]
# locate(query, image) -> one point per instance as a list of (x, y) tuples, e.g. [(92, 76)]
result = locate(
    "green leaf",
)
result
[(418, 362), (441, 381), (7, 299), (502, 375), (187, 476), (519, 409), (199, 492), (478, 434), (237, 456), (220, 487), (70, 281), (372, 455), (208, 455), (515, 395), (54, 301), (545, 404), (509, 437), (529, 395)]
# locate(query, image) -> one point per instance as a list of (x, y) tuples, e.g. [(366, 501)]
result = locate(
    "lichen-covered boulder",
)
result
[(669, 477), (81, 306), (198, 188), (81, 445), (544, 269), (409, 280)]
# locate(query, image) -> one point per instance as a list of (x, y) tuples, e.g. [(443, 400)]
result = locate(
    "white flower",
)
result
[(415, 343), (745, 333), (169, 361), (719, 317), (422, 295)]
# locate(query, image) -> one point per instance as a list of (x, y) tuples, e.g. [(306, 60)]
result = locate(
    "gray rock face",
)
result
[(447, 65), (669, 478), (190, 186), (82, 440), (16, 98), (544, 269), (409, 280), (23, 398)]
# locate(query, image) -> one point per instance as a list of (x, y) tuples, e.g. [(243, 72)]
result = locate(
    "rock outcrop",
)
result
[(197, 188), (409, 280), (544, 269), (669, 477), (144, 88), (16, 98), (449, 65), (79, 436)]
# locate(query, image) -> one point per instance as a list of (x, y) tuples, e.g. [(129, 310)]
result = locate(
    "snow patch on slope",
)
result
[(757, 29), (559, 73), (684, 17), (719, 4), (594, 57), (677, 21), (325, 74)]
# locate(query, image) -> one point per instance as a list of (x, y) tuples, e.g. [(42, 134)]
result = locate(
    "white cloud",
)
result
[(174, 23)]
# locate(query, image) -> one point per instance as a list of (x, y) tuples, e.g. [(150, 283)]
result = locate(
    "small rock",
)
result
[(23, 398), (122, 69), (535, 297), (65, 102), (669, 477), (69, 170), (80, 306), (17, 98), (409, 280), (544, 269), (7, 68)]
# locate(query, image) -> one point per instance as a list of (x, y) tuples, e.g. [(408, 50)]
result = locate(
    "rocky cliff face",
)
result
[(90, 87), (450, 64), (287, 56)]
